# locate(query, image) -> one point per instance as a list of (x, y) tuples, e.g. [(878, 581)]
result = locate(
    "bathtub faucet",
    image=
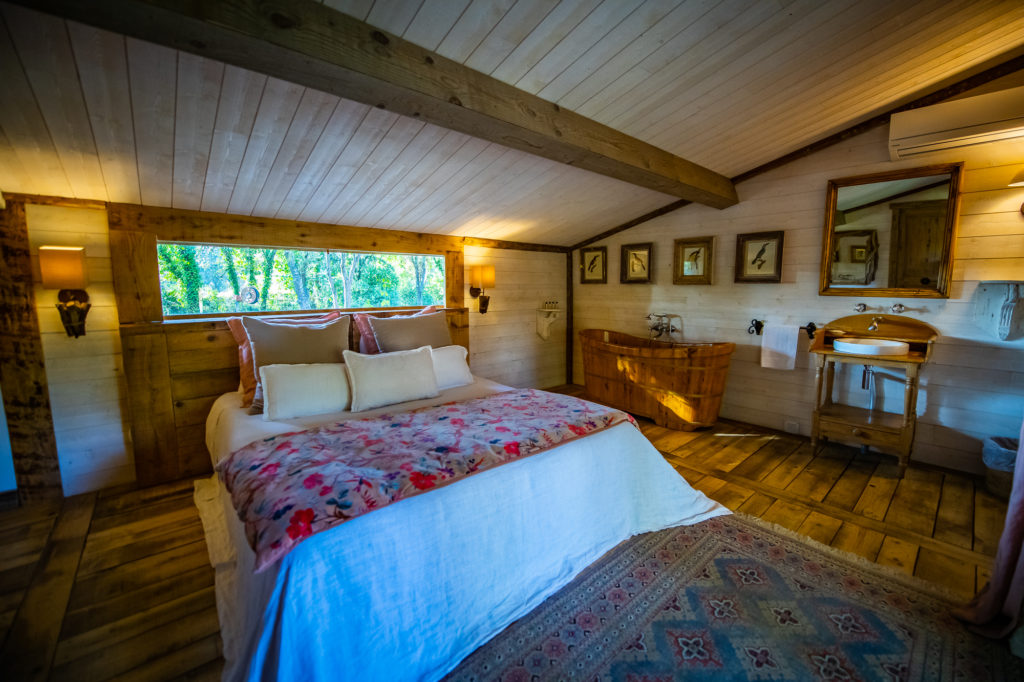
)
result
[(660, 324)]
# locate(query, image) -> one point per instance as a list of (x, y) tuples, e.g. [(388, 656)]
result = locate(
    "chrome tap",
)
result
[(661, 325), (874, 323)]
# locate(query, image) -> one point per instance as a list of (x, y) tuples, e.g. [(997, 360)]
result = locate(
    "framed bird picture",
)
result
[(759, 257), (594, 265), (692, 261), (636, 263)]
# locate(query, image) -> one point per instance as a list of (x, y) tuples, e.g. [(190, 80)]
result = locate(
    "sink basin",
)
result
[(870, 346)]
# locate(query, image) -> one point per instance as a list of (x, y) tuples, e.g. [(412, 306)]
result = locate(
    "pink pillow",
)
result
[(246, 368), (367, 341)]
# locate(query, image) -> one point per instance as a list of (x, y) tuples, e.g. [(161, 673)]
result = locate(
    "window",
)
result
[(209, 279)]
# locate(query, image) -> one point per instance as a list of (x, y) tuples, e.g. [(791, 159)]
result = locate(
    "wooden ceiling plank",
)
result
[(273, 119), (513, 28), (372, 129), (729, 41), (306, 129), (594, 28), (666, 63), (834, 108), (558, 23), (393, 16), (151, 68), (384, 154), (491, 204), (630, 31), (13, 174), (837, 64), (412, 182), (311, 45), (337, 133), (394, 174), (30, 146), (473, 25), (354, 8), (433, 21), (835, 101), (199, 83), (752, 69), (43, 57), (984, 42), (103, 72), (440, 176), (609, 72), (728, 97), (496, 162), (241, 92)]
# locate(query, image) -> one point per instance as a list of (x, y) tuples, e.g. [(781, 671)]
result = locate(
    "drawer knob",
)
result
[(857, 432)]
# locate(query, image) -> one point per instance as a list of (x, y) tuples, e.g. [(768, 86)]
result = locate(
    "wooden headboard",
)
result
[(175, 369)]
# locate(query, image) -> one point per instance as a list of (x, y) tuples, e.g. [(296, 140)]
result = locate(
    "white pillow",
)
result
[(303, 390), (450, 367), (389, 378)]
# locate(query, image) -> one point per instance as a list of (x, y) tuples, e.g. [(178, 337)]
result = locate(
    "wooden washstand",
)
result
[(885, 431)]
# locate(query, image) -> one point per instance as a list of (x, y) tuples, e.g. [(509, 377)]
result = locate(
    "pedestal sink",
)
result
[(857, 346)]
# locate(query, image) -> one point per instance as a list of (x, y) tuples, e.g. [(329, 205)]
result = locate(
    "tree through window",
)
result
[(208, 279)]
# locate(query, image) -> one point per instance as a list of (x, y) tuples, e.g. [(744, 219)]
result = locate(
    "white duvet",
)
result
[(407, 591)]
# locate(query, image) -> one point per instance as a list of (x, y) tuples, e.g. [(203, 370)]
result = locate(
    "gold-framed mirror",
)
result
[(891, 234)]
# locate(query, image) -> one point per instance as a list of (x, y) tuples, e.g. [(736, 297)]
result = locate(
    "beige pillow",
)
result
[(405, 333), (450, 367), (303, 390), (389, 378), (274, 344)]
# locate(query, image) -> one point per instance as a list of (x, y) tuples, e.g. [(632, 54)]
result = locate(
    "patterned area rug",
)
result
[(734, 599)]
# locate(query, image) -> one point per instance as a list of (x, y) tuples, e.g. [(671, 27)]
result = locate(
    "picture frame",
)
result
[(759, 256), (636, 263), (692, 260), (858, 254), (594, 265)]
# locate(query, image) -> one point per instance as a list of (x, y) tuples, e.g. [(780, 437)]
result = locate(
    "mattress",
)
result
[(407, 591)]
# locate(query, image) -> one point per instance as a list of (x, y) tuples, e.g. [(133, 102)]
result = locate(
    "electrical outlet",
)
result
[(791, 427)]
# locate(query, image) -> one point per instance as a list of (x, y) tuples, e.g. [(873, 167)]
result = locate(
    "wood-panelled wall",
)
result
[(85, 376), (176, 369), (974, 385), (506, 347)]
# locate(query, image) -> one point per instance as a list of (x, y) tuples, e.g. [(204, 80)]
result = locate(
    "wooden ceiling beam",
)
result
[(304, 42)]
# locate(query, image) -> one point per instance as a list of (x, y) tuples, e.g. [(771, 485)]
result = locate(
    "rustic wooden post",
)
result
[(22, 368)]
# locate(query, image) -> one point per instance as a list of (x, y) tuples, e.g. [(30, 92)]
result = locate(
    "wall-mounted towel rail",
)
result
[(757, 326)]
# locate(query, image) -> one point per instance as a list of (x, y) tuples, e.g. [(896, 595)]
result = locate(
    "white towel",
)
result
[(778, 346)]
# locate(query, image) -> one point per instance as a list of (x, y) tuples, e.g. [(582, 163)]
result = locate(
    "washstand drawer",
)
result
[(859, 433)]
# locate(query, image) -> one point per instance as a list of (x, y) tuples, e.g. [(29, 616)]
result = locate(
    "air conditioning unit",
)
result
[(960, 123)]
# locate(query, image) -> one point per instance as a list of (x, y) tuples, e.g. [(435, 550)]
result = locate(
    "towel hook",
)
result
[(810, 328), (756, 326)]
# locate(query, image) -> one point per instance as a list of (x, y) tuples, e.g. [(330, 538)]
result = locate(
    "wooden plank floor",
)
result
[(117, 584), (129, 597)]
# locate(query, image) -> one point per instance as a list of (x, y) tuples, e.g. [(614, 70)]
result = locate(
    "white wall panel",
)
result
[(974, 385), (504, 345), (85, 375)]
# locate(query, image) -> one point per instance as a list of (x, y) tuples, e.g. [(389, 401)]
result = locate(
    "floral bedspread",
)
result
[(289, 486)]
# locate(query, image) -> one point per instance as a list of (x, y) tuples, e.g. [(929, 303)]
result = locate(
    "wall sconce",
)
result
[(63, 267), (1018, 181), (481, 277)]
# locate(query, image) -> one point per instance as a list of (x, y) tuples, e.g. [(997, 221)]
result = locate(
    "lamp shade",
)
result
[(62, 267), (481, 276)]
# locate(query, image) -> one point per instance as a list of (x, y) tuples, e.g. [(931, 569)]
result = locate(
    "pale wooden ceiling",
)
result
[(728, 84)]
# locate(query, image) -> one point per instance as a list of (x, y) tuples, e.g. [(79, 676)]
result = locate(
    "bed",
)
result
[(407, 591)]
